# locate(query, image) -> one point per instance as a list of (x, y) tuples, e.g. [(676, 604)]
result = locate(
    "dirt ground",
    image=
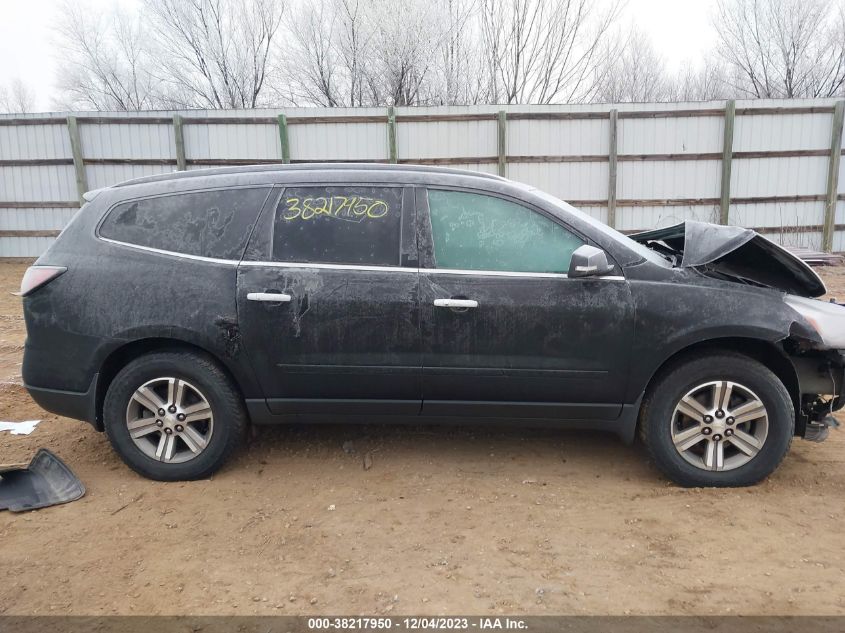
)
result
[(467, 521)]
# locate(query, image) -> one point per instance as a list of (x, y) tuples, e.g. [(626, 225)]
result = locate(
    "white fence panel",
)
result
[(778, 176), (669, 157), (424, 140), (106, 175), (567, 181), (337, 141), (772, 132), (27, 183), (687, 135), (554, 138), (24, 246), (35, 219), (235, 141), (29, 142), (127, 140), (641, 218), (664, 179)]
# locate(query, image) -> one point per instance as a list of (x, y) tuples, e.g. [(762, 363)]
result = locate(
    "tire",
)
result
[(667, 429), (190, 441)]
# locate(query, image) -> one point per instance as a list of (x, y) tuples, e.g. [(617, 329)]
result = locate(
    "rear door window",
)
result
[(338, 225), (478, 232), (205, 223)]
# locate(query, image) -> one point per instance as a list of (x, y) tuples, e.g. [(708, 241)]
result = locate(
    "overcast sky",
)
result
[(680, 31)]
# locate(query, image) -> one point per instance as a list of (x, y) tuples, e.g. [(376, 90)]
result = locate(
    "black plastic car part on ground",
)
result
[(47, 481), (402, 293)]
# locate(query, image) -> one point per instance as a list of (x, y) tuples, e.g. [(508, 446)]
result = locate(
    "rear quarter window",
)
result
[(206, 223)]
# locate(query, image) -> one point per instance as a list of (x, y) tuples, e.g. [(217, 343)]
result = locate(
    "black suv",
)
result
[(175, 310)]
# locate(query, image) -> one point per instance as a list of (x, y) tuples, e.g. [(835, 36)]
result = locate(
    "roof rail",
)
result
[(280, 167)]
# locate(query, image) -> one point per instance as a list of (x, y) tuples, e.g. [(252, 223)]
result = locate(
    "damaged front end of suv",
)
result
[(814, 344)]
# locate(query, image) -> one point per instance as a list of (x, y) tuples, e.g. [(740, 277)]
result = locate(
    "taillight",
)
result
[(37, 276)]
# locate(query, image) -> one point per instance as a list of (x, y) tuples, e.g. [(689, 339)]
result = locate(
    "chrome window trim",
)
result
[(507, 273), (400, 269), (161, 251), (493, 273)]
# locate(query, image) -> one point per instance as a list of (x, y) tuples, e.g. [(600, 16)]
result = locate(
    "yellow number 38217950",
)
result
[(342, 207)]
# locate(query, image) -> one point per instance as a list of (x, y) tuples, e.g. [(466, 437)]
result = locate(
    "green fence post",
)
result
[(283, 138), (179, 138), (833, 176), (391, 135), (503, 143), (727, 156), (78, 161), (611, 184)]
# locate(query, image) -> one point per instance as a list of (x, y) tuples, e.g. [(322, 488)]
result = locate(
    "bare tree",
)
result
[(403, 52), (105, 61), (546, 51), (356, 38), (460, 74), (379, 52), (313, 74), (705, 83), (637, 75), (214, 53), (327, 51), (352, 53), (17, 97), (783, 48)]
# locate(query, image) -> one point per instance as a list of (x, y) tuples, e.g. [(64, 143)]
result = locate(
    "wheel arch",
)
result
[(118, 358), (765, 352)]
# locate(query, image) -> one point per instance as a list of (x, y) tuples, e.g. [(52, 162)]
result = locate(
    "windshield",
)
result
[(640, 249)]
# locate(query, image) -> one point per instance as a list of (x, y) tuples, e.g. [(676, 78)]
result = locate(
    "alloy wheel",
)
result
[(719, 425), (169, 420)]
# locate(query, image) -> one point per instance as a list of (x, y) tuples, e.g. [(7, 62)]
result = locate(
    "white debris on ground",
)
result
[(19, 428)]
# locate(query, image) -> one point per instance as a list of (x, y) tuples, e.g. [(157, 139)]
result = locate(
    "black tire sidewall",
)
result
[(228, 419), (747, 372)]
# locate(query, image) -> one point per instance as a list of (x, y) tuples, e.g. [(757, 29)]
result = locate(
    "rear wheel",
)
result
[(173, 416), (717, 420)]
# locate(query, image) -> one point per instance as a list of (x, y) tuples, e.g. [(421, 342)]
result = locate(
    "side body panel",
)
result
[(535, 347), (113, 295), (348, 339), (538, 345), (678, 308)]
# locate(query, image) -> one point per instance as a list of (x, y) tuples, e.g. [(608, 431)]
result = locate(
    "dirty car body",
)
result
[(358, 293)]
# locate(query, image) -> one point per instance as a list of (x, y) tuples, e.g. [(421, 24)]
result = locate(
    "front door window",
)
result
[(478, 232)]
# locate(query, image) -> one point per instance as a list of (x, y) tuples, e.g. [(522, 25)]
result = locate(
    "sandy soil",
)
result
[(445, 521)]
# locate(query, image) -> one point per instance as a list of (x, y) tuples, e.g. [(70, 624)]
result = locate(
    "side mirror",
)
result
[(589, 261)]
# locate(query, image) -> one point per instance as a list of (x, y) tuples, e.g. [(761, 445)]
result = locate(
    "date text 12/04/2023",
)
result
[(430, 623)]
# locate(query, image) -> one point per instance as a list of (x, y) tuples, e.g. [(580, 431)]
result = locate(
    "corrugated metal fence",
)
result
[(772, 165)]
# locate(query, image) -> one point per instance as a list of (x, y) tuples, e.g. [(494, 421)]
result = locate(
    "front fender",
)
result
[(671, 317)]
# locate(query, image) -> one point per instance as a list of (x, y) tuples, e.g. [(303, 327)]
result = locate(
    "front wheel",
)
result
[(173, 416), (717, 420)]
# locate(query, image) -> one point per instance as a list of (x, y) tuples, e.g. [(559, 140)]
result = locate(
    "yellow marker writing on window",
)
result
[(354, 208)]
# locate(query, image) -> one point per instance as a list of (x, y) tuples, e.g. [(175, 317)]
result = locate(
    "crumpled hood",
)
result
[(738, 252)]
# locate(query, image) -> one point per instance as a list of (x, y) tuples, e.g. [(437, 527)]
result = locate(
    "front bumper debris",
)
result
[(819, 430)]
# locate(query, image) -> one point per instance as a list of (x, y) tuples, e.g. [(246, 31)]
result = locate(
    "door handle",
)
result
[(274, 297), (456, 303)]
